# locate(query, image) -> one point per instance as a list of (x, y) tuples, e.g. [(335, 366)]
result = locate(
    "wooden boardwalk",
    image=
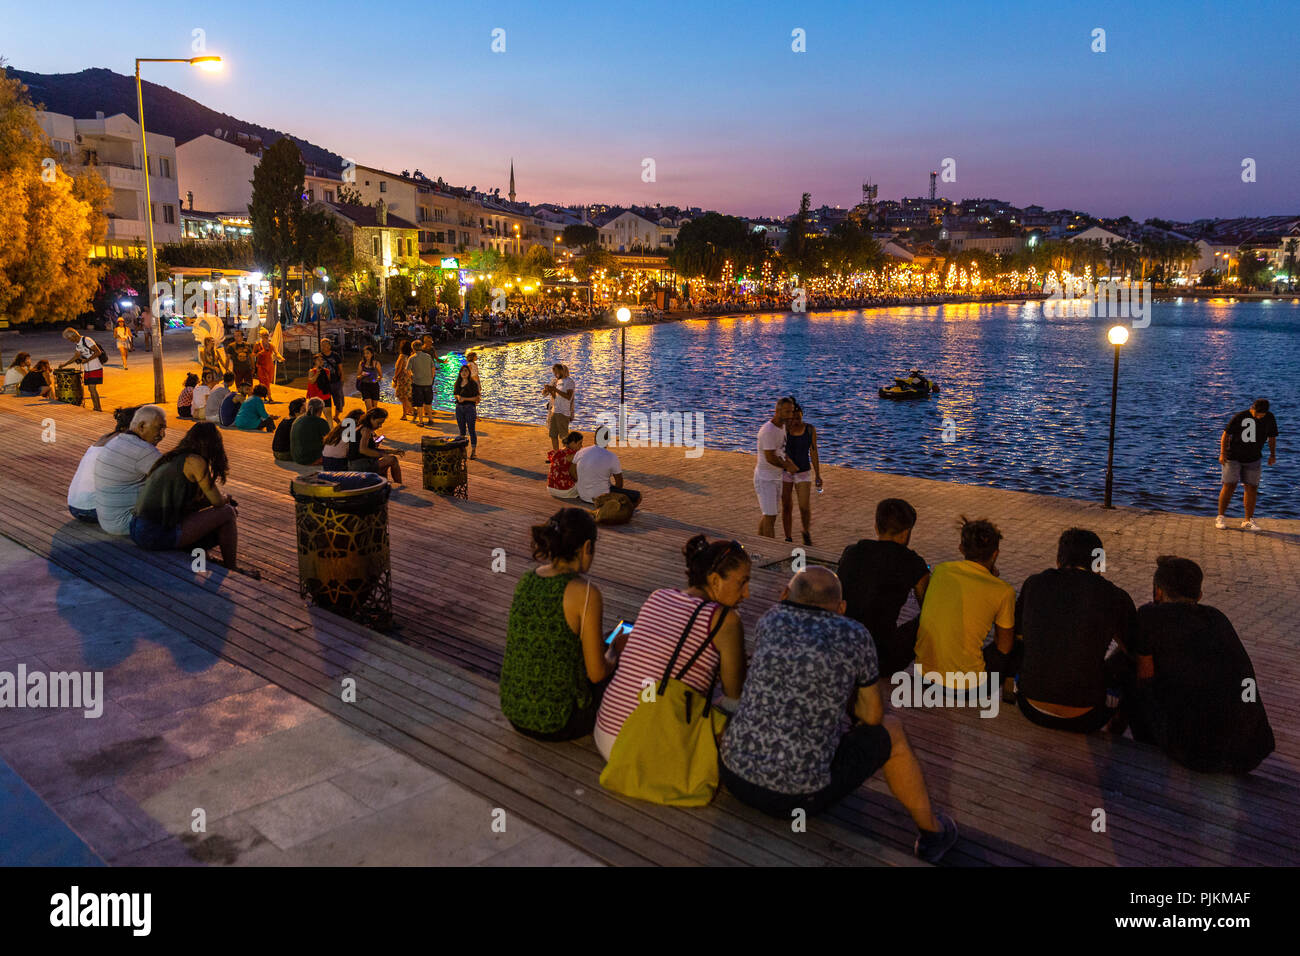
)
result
[(1020, 794)]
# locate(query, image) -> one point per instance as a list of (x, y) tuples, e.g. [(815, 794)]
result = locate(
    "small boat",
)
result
[(915, 386)]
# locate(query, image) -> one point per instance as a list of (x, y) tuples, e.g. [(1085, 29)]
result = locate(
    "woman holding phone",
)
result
[(364, 453)]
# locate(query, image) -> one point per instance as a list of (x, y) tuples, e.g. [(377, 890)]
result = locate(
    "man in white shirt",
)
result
[(772, 462), (219, 393), (599, 471), (122, 465), (561, 391)]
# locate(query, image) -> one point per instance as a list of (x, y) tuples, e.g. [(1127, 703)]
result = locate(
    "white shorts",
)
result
[(769, 495), (802, 476), (563, 492)]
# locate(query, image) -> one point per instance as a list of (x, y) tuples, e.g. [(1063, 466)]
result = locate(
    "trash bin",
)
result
[(67, 386), (445, 470), (343, 562)]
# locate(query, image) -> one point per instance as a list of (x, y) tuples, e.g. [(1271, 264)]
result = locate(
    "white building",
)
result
[(1214, 255), (627, 232), (217, 175), (111, 146), (1096, 232)]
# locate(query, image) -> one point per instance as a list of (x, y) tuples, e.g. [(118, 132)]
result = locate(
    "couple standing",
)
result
[(787, 462)]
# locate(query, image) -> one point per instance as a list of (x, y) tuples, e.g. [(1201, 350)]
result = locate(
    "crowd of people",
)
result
[(807, 719), (770, 302)]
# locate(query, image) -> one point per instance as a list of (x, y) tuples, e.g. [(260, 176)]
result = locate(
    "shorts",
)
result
[(769, 495), (93, 378), (421, 395), (369, 391), (802, 477), (153, 536), (1246, 472), (363, 464), (1093, 720), (861, 752), (333, 464), (563, 492), (557, 425), (25, 394), (84, 514)]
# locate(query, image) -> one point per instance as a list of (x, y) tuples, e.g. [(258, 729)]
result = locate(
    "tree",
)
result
[(705, 244), (348, 196), (579, 236), (536, 261), (278, 181), (1290, 261), (322, 244), (50, 220), (796, 240)]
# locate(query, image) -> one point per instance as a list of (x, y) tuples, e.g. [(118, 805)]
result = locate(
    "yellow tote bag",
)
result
[(667, 750)]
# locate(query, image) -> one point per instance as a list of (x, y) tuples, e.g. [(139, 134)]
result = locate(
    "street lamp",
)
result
[(624, 316), (210, 63), (1117, 335)]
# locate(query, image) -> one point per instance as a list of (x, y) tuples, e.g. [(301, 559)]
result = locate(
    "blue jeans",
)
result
[(84, 514), (466, 417)]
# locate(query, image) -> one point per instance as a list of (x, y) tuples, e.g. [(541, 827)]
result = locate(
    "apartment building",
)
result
[(111, 146)]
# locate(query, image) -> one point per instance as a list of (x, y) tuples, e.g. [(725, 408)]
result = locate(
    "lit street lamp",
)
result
[(210, 63), (1117, 335), (317, 300), (624, 316)]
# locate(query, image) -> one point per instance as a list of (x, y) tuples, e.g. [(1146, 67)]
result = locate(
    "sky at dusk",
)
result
[(1158, 125)]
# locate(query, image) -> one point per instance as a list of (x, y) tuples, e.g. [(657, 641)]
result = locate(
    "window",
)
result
[(166, 167), (329, 195), (374, 246), (383, 186), (169, 215), (153, 212)]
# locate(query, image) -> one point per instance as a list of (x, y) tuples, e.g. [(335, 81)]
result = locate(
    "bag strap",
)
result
[(681, 642), (707, 641), (713, 682)]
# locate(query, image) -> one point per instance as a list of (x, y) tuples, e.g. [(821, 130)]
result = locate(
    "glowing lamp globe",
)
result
[(624, 314), (1118, 335), (317, 298)]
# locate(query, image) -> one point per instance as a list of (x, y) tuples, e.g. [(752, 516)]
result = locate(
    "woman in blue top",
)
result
[(252, 412), (801, 448)]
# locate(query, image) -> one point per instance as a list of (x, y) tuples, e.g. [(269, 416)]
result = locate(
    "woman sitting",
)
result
[(556, 664), (81, 492), (364, 453), (252, 416), (717, 579), (334, 453), (179, 506), (199, 398), (18, 368), (185, 401), (562, 478), (38, 383)]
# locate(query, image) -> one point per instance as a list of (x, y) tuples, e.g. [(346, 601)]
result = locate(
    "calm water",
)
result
[(1030, 396)]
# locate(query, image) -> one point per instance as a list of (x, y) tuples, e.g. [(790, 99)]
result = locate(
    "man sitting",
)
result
[(877, 577), (281, 448), (599, 470), (1193, 692), (962, 602), (1067, 617), (307, 435), (217, 398), (788, 748), (122, 465), (251, 414)]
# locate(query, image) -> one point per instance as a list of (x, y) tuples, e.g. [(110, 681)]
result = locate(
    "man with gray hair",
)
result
[(788, 748), (122, 465)]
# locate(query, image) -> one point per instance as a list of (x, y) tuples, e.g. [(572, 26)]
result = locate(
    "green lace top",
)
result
[(543, 675)]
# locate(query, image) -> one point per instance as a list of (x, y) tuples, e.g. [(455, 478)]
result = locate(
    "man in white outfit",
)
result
[(772, 462)]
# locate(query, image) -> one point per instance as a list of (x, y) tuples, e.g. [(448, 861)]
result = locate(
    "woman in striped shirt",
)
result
[(717, 573)]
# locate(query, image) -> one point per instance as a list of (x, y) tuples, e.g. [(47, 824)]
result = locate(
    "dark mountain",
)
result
[(166, 111)]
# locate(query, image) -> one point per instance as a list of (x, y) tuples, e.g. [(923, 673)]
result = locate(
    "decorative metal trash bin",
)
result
[(68, 387), (343, 562), (445, 470)]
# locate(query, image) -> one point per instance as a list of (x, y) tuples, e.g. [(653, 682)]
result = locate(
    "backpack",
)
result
[(613, 507)]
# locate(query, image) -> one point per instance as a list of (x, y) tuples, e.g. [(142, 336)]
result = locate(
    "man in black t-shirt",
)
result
[(1241, 447), (1194, 692), (1067, 617), (877, 576)]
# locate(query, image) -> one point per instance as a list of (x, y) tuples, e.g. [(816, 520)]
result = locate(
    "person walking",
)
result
[(402, 379), (240, 354), (467, 398), (421, 366), (331, 378), (1241, 453), (144, 325), (90, 357), (369, 374), (772, 464), (800, 448), (124, 339)]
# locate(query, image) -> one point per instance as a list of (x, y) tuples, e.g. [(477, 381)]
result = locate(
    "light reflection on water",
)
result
[(1029, 395)]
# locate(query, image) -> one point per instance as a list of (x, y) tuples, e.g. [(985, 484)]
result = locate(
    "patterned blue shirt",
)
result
[(807, 665)]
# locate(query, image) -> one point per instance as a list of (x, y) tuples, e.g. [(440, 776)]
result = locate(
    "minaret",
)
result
[(512, 179)]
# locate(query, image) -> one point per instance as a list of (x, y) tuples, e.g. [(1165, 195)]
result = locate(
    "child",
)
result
[(185, 401)]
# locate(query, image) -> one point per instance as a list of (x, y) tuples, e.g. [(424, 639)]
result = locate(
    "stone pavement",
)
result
[(279, 781)]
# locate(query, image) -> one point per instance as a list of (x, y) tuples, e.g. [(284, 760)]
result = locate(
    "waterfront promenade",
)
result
[(225, 691)]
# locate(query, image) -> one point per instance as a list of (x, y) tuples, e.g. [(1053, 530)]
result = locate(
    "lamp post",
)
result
[(624, 317), (317, 300), (1117, 335), (207, 63)]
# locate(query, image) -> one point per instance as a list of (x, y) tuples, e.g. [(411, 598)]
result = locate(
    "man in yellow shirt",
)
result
[(963, 601)]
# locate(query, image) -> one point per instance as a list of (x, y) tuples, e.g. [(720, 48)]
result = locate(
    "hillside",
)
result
[(166, 111)]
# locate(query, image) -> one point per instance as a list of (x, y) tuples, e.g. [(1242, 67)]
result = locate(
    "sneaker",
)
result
[(1249, 525), (932, 846), (1221, 522), (807, 538)]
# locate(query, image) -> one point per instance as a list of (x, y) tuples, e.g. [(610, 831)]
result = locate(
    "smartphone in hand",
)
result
[(622, 628)]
